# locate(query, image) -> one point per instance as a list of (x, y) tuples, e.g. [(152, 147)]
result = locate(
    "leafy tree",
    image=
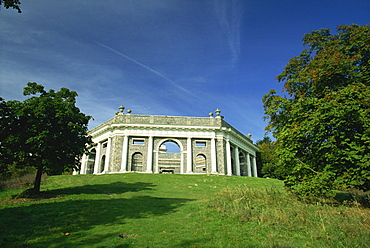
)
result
[(46, 131), (323, 125), (6, 126), (268, 161), (12, 4)]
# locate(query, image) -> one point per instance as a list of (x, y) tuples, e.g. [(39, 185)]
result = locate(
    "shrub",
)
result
[(18, 178)]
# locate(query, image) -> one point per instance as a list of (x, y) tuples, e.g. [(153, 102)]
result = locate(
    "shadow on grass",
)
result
[(88, 223), (109, 189), (354, 198)]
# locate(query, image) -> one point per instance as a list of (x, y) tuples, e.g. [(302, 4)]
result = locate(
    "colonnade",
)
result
[(232, 152), (250, 160)]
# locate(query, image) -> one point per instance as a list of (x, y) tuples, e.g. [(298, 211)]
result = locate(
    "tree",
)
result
[(268, 161), (12, 4), (6, 125), (323, 125), (46, 131)]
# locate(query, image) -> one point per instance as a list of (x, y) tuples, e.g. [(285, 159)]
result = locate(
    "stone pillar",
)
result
[(182, 162), (228, 158), (107, 155), (213, 156), (249, 165), (189, 167), (237, 162), (254, 166), (149, 164), (124, 154), (97, 159), (83, 164), (156, 169)]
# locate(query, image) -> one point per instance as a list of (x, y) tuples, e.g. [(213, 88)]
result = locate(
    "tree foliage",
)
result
[(322, 126), (268, 161), (46, 131), (12, 4)]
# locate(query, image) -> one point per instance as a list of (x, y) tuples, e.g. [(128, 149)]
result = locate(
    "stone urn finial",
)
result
[(218, 112), (210, 114), (121, 108)]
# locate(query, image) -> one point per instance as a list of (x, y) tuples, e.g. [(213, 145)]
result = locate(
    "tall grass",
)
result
[(18, 178), (284, 215)]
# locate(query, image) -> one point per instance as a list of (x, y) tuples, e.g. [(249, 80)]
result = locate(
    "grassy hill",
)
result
[(155, 210)]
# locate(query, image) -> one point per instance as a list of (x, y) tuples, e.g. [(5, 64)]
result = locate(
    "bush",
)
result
[(18, 178)]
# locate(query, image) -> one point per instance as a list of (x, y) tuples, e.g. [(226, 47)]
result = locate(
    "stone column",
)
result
[(107, 155), (83, 164), (254, 166), (182, 162), (149, 164), (97, 159), (237, 162), (228, 158), (249, 165), (124, 154), (213, 156), (156, 169), (189, 167)]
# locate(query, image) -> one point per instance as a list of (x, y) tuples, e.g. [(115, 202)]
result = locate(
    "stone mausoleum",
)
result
[(169, 144)]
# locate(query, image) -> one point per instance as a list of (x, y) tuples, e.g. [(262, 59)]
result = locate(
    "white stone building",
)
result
[(137, 143)]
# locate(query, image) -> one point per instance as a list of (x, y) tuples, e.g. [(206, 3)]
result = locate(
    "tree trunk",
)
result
[(36, 187)]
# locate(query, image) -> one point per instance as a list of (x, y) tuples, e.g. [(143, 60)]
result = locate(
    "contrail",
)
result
[(144, 66), (230, 20), (136, 62)]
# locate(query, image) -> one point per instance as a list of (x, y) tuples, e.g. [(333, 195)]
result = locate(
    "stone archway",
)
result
[(169, 156)]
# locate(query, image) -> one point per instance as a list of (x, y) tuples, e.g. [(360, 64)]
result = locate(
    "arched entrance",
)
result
[(169, 157)]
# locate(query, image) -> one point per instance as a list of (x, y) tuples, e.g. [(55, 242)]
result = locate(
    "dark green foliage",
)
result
[(46, 131), (322, 127), (12, 4), (267, 160)]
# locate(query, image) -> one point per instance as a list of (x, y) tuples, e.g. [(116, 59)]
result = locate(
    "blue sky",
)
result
[(163, 57)]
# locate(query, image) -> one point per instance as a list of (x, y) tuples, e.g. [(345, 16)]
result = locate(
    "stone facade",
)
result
[(135, 143)]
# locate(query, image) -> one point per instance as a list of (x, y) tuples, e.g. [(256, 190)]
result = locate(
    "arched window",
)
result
[(137, 162), (200, 164), (169, 147)]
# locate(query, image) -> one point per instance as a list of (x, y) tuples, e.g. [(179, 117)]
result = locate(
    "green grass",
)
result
[(154, 210)]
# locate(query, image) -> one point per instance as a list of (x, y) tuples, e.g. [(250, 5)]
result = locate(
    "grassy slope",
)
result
[(140, 210)]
